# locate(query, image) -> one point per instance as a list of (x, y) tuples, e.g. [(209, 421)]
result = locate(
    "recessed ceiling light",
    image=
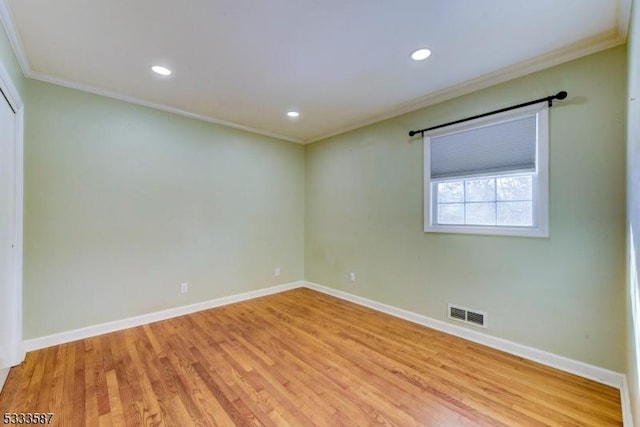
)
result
[(163, 71), (420, 54), (293, 114)]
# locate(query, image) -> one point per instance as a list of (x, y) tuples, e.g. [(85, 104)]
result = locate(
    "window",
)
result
[(489, 175)]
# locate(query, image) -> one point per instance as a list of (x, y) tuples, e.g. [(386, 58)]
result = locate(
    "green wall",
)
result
[(563, 294), (123, 203)]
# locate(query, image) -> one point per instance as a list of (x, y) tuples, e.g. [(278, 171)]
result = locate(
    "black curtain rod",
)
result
[(7, 99), (548, 99)]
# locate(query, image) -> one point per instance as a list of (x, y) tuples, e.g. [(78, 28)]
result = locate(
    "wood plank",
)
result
[(298, 358)]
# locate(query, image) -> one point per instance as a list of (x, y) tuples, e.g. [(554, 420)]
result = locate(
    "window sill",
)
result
[(490, 231)]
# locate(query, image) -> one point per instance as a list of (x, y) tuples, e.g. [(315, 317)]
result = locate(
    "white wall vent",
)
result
[(466, 315)]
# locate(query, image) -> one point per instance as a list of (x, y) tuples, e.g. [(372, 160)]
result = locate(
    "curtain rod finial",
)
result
[(561, 95)]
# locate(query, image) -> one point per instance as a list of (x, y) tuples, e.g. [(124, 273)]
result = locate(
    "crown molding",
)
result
[(568, 53), (7, 21), (624, 18), (138, 101), (12, 34), (583, 48)]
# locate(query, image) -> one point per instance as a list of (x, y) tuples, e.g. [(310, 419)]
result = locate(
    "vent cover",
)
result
[(457, 313), (472, 317)]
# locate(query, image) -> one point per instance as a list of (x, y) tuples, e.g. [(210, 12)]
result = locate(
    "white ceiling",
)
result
[(340, 63)]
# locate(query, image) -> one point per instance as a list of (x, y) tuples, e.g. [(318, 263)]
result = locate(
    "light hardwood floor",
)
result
[(298, 358)]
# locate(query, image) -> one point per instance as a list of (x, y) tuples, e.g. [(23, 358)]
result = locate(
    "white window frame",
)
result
[(540, 209)]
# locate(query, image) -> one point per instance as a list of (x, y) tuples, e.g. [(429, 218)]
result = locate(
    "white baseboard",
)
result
[(117, 325), (602, 375), (596, 373), (625, 400)]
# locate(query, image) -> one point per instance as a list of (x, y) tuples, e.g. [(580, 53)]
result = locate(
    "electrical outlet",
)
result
[(277, 271), (352, 276), (184, 288)]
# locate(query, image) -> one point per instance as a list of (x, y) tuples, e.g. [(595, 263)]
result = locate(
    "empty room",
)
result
[(338, 213)]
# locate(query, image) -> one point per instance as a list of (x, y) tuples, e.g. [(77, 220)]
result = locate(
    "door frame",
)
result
[(17, 354)]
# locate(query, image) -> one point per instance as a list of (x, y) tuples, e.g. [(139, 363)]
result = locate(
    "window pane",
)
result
[(449, 192), (481, 190), (515, 188), (515, 213), (480, 213), (451, 213)]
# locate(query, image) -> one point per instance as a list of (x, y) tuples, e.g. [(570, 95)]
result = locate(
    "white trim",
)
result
[(582, 369), (559, 56), (494, 119), (576, 367), (596, 373), (592, 372), (551, 59), (117, 325), (139, 101), (540, 178), (625, 401), (16, 354), (10, 90), (14, 38), (624, 18), (541, 185), (18, 351)]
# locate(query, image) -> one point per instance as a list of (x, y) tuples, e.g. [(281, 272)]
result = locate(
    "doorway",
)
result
[(11, 188)]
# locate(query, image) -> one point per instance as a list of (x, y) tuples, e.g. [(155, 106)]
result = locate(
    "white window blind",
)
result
[(495, 148), (489, 175)]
